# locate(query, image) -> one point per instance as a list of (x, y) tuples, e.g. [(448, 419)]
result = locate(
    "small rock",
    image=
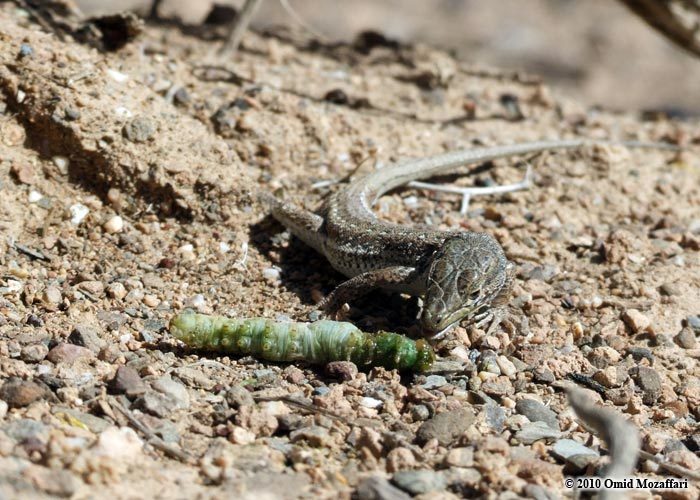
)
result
[(446, 426), (686, 338), (127, 381), (537, 412), (434, 382), (194, 378), (343, 370), (17, 392), (603, 356), (116, 290), (420, 413), (271, 274), (635, 320), (114, 225), (86, 336), (416, 482), (368, 402), (3, 409), (93, 423), (25, 429), (239, 435), (294, 375), (495, 415), (238, 397), (68, 353), (498, 386), (535, 431), (78, 212), (140, 129), (670, 289), (52, 295), (567, 448), (156, 403), (315, 436), (649, 381), (92, 287), (118, 442), (694, 323), (378, 488), (460, 457), (174, 390), (507, 366), (151, 301), (34, 353)]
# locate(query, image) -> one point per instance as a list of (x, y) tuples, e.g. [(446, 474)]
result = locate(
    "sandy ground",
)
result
[(128, 184)]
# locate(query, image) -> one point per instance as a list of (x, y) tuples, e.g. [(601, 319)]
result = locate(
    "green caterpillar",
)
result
[(319, 342)]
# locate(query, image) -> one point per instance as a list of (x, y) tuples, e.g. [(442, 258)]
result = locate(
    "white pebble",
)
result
[(198, 301), (20, 96), (117, 76), (78, 212), (122, 112), (224, 247), (62, 163), (116, 290), (114, 225), (34, 196), (271, 274), (368, 402), (410, 201), (507, 367), (187, 248), (118, 442)]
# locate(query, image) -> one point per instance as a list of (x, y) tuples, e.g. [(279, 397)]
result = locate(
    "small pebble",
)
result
[(368, 402), (445, 427), (68, 353), (434, 382), (271, 274), (535, 431), (86, 336), (649, 381), (151, 300), (17, 392), (78, 212), (117, 76), (127, 381), (140, 129), (34, 353), (34, 196), (507, 367), (686, 338), (420, 413), (343, 370), (635, 320), (417, 482), (114, 225), (239, 435), (694, 323), (52, 295), (198, 301), (116, 290), (118, 443)]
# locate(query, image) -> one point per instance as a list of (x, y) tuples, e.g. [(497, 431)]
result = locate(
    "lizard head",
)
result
[(466, 274)]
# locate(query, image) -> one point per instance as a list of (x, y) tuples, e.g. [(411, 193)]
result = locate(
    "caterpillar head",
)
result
[(466, 274)]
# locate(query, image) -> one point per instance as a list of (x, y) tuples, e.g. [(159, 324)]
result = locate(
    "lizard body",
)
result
[(459, 274)]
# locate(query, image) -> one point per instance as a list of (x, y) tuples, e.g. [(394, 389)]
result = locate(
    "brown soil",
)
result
[(165, 149)]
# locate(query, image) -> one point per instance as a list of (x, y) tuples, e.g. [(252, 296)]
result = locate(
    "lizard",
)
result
[(460, 275)]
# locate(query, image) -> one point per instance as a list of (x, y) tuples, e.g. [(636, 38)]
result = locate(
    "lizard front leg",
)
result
[(364, 283)]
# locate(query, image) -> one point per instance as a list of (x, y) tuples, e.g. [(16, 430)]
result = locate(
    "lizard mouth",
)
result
[(436, 327)]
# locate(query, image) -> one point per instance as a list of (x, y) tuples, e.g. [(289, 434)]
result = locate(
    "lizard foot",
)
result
[(493, 318)]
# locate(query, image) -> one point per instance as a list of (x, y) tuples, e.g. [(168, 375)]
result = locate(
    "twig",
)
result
[(239, 27), (153, 440)]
